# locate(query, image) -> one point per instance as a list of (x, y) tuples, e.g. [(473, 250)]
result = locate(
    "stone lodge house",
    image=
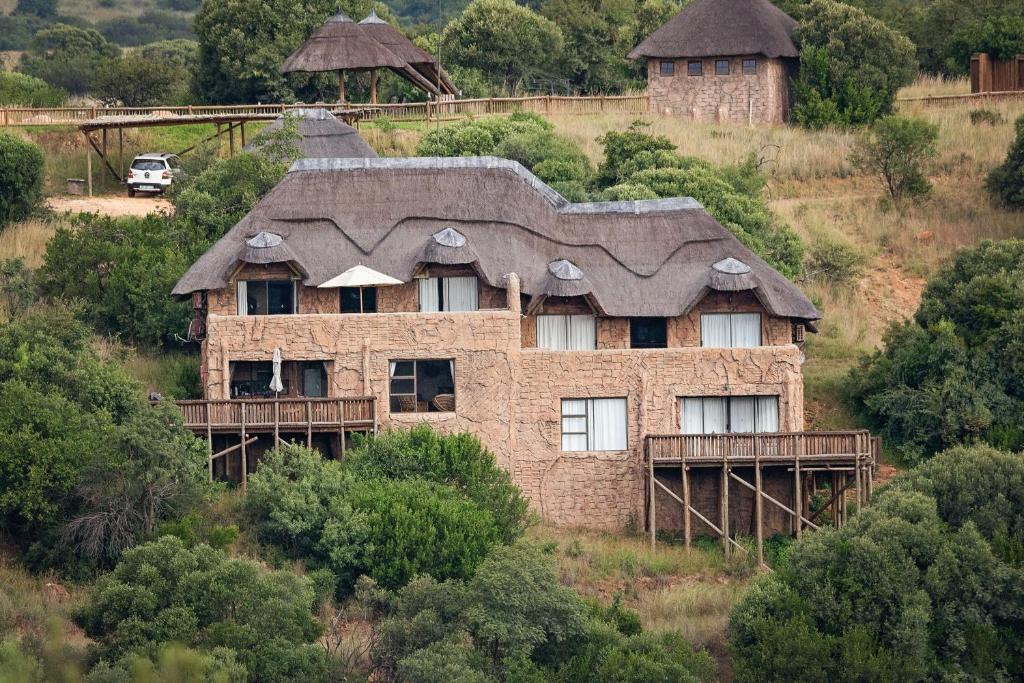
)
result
[(467, 294), (727, 61)]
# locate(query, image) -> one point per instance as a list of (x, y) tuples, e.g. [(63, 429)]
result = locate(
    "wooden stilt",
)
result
[(277, 423), (120, 150), (241, 130), (209, 440), (758, 505), (88, 171), (798, 498), (857, 475), (373, 86), (245, 455), (650, 504), (341, 86), (231, 139), (687, 523), (724, 504), (341, 428), (774, 501), (309, 424)]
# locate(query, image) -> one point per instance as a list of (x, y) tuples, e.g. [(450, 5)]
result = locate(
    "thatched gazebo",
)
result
[(342, 45), (419, 59)]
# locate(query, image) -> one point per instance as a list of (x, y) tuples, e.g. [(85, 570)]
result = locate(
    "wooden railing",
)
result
[(411, 111), (847, 445), (318, 414), (962, 98)]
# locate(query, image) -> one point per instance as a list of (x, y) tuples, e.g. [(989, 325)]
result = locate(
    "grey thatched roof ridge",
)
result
[(647, 258), (722, 28), (636, 206)]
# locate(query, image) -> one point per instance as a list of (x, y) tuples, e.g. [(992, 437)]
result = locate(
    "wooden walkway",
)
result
[(847, 459)]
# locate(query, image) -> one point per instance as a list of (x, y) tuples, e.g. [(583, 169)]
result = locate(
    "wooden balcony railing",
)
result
[(784, 446), (285, 414)]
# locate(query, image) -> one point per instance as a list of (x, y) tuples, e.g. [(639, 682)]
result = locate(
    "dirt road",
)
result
[(110, 205)]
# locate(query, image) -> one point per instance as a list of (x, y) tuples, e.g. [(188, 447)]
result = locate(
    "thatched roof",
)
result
[(722, 28), (340, 43), (323, 136), (418, 58), (638, 258)]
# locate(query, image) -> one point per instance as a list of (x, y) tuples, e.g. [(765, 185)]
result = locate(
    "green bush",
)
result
[(986, 116), (953, 374), (1001, 36), (229, 609), (851, 65), (150, 26), (67, 57), (832, 262), (478, 137), (455, 459), (896, 149), (19, 90), (912, 588), (21, 179), (134, 82), (1006, 181)]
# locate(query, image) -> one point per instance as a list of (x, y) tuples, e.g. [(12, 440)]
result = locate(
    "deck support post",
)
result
[(857, 477), (245, 455), (687, 522), (231, 139), (798, 498), (120, 150), (373, 86), (277, 423), (88, 170), (241, 131), (341, 428), (650, 492), (209, 440), (341, 86), (758, 504), (309, 424), (724, 505)]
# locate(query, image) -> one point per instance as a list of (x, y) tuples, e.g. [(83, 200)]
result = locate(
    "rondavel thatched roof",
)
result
[(418, 58), (633, 258), (323, 136), (722, 28)]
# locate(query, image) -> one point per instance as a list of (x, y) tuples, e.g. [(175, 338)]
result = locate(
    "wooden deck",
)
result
[(283, 415), (844, 461)]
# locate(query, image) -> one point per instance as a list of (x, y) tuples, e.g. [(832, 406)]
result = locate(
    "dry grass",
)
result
[(926, 84), (27, 240), (29, 605)]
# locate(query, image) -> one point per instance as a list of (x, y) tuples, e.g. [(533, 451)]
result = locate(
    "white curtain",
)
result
[(430, 302), (716, 412), (767, 413), (461, 293), (574, 421), (582, 333), (391, 368), (606, 430), (715, 330), (551, 332), (746, 330), (242, 296), (691, 420), (741, 415)]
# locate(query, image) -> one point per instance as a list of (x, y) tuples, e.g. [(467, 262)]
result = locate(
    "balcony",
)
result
[(310, 415)]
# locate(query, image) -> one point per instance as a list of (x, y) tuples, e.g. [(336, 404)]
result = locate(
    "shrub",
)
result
[(21, 178), (832, 262), (1000, 36), (19, 90), (477, 137), (911, 589), (986, 116), (897, 149), (150, 26), (1006, 181), (67, 57), (163, 592), (134, 82), (46, 9), (952, 375), (851, 65)]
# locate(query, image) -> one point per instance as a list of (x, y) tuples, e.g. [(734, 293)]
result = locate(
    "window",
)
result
[(266, 297), (422, 386), (737, 414), (148, 165), (730, 330), (358, 299), (251, 379), (593, 424), (648, 333), (749, 67), (449, 294), (695, 68), (314, 379), (567, 332), (668, 68), (721, 67)]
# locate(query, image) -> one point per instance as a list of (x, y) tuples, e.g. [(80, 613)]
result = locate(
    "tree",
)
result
[(67, 57), (19, 90), (162, 592), (45, 9), (923, 585), (1000, 36), (134, 82), (1006, 181), (851, 66), (896, 149), (21, 178), (508, 42)]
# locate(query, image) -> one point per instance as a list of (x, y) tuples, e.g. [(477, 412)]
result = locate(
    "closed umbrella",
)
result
[(275, 382)]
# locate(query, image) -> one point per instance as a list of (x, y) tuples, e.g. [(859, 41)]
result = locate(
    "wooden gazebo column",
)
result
[(341, 86), (373, 86)]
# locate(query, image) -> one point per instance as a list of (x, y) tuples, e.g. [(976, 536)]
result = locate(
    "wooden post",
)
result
[(241, 128), (219, 144), (758, 504), (724, 503), (856, 476), (341, 86), (120, 150), (650, 492), (798, 497), (341, 428), (687, 522), (88, 170), (373, 86), (309, 424), (245, 455), (231, 139), (277, 422), (209, 436)]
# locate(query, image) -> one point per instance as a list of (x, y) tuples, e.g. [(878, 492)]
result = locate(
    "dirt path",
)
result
[(110, 205)]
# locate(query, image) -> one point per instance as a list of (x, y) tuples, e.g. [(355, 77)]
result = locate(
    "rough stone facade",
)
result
[(760, 98), (509, 394)]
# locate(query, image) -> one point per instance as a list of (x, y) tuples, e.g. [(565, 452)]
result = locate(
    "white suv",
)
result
[(152, 173)]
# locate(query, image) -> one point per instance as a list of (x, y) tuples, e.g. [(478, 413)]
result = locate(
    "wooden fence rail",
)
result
[(782, 445), (318, 413), (411, 111)]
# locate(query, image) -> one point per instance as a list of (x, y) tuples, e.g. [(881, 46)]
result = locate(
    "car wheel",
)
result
[(131, 192)]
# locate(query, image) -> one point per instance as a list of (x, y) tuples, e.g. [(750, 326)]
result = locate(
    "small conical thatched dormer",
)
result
[(722, 60)]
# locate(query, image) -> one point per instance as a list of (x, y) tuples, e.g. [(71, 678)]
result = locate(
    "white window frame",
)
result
[(590, 407), (566, 339), (761, 419), (732, 320), (441, 286)]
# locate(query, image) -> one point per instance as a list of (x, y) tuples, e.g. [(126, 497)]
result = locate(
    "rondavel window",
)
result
[(266, 297), (730, 330), (567, 332), (449, 294), (593, 424), (724, 414)]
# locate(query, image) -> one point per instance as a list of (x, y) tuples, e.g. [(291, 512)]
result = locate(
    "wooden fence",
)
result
[(411, 111), (963, 98), (318, 414)]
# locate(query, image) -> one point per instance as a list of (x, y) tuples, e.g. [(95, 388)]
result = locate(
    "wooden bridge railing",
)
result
[(847, 445), (299, 413)]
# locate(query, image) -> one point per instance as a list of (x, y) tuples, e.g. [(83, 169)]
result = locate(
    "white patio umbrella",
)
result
[(275, 382), (360, 276)]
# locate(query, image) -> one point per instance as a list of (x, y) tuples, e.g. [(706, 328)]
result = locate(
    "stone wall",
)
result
[(761, 98), (511, 397)]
